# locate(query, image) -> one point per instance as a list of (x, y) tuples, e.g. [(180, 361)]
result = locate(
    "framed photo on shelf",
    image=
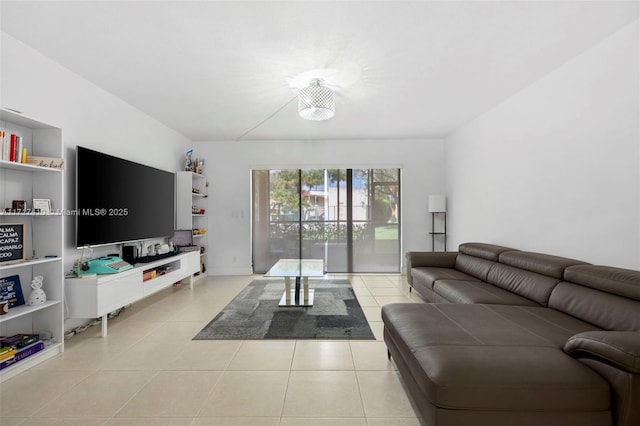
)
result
[(12, 236), (42, 205)]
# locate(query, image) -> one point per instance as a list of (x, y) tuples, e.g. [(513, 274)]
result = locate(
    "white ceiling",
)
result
[(214, 70)]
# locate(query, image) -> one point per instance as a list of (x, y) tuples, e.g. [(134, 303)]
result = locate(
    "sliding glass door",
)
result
[(347, 217)]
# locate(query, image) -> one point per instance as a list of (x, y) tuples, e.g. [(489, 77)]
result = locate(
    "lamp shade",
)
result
[(316, 102), (437, 203)]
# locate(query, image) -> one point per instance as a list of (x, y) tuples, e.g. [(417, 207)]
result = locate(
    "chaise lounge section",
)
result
[(518, 338)]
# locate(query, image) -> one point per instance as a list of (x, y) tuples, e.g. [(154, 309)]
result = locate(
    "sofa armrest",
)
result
[(618, 348), (440, 259)]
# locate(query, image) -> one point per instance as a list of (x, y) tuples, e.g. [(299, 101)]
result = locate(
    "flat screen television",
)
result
[(118, 200)]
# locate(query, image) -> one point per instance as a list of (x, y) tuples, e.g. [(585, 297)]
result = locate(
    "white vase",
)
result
[(37, 296)]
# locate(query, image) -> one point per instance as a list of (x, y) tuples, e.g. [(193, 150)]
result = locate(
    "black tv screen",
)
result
[(118, 200)]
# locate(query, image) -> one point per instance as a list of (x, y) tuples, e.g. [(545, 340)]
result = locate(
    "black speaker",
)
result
[(129, 254)]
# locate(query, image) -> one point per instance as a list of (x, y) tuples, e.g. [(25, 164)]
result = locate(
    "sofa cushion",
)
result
[(427, 275), (527, 284), (420, 325), (544, 264), (474, 266), (605, 310), (623, 282), (493, 357), (509, 378), (457, 291), (483, 251)]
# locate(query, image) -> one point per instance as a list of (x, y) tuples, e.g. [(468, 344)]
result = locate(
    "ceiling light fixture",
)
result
[(316, 101)]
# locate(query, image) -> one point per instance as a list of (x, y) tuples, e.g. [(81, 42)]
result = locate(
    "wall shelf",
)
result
[(27, 167)]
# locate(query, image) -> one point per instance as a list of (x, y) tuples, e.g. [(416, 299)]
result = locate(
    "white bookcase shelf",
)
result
[(28, 263), (27, 167), (43, 241), (186, 201), (26, 310)]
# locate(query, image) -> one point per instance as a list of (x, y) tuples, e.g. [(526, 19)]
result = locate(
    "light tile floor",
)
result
[(149, 372)]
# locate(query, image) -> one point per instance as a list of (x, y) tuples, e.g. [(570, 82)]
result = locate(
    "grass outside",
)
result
[(387, 232)]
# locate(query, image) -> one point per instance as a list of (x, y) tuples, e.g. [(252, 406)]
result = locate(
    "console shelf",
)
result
[(97, 295)]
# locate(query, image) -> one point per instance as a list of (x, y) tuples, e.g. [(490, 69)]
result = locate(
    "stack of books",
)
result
[(18, 347), (11, 148)]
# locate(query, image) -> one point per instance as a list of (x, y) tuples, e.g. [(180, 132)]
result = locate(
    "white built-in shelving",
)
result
[(191, 195), (43, 240)]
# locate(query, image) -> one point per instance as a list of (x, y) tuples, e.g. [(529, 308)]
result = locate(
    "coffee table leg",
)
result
[(305, 284), (287, 290)]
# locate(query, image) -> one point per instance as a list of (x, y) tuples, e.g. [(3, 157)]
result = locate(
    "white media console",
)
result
[(96, 296)]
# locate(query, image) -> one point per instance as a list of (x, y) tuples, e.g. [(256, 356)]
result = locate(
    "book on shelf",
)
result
[(7, 352), (14, 144), (12, 148), (23, 353), (18, 341), (19, 147), (11, 291), (6, 146)]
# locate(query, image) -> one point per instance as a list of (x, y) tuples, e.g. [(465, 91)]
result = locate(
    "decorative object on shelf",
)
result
[(191, 165), (11, 291), (316, 102), (42, 205), (37, 296), (11, 242), (18, 206), (51, 162), (188, 163), (199, 166), (4, 307), (438, 206)]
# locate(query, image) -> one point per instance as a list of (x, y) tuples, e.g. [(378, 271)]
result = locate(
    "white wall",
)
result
[(228, 170), (556, 168), (88, 115)]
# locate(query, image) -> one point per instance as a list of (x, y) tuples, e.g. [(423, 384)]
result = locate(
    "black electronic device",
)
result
[(130, 254), (118, 200)]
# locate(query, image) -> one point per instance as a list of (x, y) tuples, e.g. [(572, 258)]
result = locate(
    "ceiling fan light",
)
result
[(316, 102)]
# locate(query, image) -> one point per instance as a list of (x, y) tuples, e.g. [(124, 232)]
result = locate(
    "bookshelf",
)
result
[(43, 237), (191, 211)]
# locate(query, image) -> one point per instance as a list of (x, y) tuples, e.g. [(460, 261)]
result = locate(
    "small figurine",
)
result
[(37, 296), (188, 165)]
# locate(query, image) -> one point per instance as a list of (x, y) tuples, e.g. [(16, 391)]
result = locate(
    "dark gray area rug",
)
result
[(254, 314)]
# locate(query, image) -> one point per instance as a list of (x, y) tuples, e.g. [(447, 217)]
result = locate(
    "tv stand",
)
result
[(98, 295)]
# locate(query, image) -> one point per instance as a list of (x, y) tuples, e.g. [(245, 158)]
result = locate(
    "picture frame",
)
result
[(11, 291), (12, 237), (42, 205)]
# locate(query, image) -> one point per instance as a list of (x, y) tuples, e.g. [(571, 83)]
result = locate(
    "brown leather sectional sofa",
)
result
[(517, 338)]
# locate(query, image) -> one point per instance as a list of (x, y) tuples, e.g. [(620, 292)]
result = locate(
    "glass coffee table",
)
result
[(298, 269)]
